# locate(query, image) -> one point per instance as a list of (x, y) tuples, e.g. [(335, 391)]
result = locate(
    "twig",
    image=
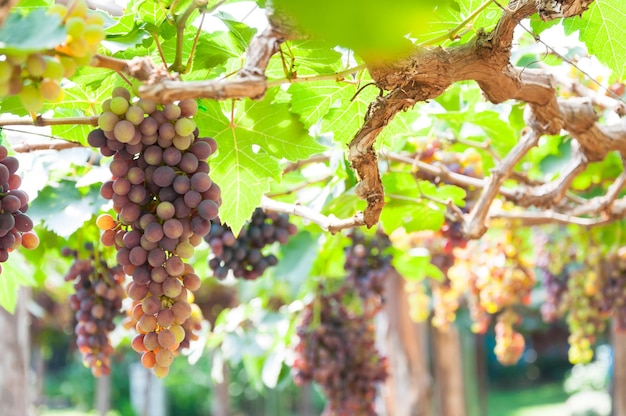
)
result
[(249, 83), (40, 121), (140, 68), (475, 225), (299, 186), (292, 166), (551, 193), (335, 76), (327, 223), (550, 217), (32, 147)]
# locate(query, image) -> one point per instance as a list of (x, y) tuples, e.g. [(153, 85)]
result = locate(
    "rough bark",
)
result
[(14, 359)]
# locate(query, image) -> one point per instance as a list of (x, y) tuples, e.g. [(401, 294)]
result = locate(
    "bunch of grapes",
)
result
[(433, 151), (509, 343), (443, 246), (367, 264), (97, 301), (165, 201), (243, 254), (16, 228), (337, 350), (551, 269), (577, 285), (584, 313), (614, 287), (35, 77)]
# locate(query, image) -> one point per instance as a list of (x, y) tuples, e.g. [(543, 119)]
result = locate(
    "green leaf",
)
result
[(411, 264), (603, 29), (121, 42), (148, 11), (241, 32), (305, 57), (272, 367), (16, 272), (63, 208), (34, 32), (451, 14), (346, 114), (261, 133)]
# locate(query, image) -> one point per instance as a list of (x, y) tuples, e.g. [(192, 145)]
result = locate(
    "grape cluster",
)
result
[(243, 254), (577, 284), (614, 287), (35, 77), (165, 201), (366, 263), (340, 354), (16, 228), (509, 343), (97, 301)]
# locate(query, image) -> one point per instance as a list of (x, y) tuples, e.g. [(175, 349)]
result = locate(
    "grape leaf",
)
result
[(64, 208), (451, 14), (313, 100), (241, 32), (305, 57), (33, 32), (410, 265), (16, 272), (345, 117), (250, 148), (603, 29)]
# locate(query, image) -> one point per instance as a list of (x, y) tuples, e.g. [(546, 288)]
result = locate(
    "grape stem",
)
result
[(141, 68), (327, 223), (33, 147), (40, 121), (181, 24), (335, 76)]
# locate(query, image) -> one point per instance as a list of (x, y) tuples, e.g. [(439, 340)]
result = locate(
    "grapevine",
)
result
[(165, 201), (243, 254), (97, 302)]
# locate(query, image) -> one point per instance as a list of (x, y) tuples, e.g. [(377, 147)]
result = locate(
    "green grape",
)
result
[(134, 114), (107, 121), (31, 98), (75, 27), (69, 66), (6, 70), (106, 105), (54, 68), (184, 126), (124, 131), (50, 90), (58, 9), (121, 92), (119, 105), (17, 59), (94, 34), (35, 65)]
